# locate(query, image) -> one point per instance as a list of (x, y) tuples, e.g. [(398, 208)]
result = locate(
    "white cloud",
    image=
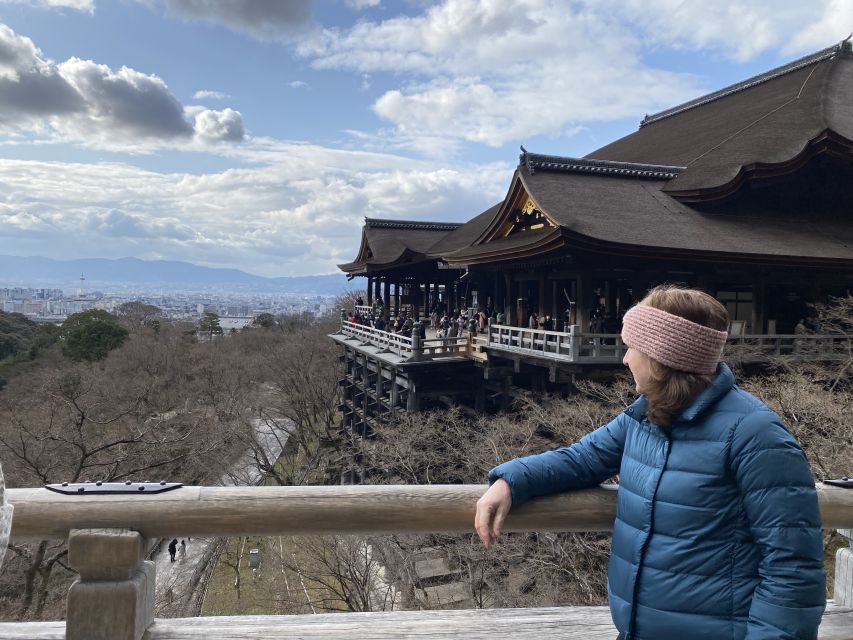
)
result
[(298, 84), (299, 213), (87, 6), (835, 23), (739, 29), (91, 104), (260, 19), (204, 94), (358, 5), (493, 71), (225, 125)]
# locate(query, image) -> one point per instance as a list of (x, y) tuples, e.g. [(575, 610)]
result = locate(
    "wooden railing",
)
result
[(386, 340), (591, 348), (113, 598), (411, 347), (825, 346), (369, 310), (577, 347), (573, 346)]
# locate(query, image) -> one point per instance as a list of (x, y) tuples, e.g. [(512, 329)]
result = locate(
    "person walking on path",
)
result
[(717, 533), (173, 547)]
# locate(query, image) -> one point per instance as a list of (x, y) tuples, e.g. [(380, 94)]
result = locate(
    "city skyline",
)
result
[(257, 136)]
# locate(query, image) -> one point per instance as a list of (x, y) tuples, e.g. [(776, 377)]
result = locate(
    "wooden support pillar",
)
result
[(759, 289), (506, 401), (365, 398), (480, 398), (553, 306), (541, 302), (377, 290), (387, 297), (436, 294), (397, 298), (369, 291), (427, 299), (113, 599), (843, 587), (584, 302), (395, 390), (606, 294), (380, 387), (509, 301), (413, 401)]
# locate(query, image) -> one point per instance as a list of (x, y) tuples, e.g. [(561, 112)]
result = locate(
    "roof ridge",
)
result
[(422, 225), (534, 161), (813, 58)]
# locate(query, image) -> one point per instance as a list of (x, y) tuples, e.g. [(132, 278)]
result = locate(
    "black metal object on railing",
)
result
[(101, 488), (845, 482)]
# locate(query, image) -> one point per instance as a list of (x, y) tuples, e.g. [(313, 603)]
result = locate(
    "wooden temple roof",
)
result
[(391, 243), (628, 216), (768, 123), (759, 172)]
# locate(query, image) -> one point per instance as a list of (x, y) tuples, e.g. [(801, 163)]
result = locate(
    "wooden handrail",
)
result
[(362, 509)]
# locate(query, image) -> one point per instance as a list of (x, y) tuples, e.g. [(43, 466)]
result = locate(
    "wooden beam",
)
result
[(227, 511)]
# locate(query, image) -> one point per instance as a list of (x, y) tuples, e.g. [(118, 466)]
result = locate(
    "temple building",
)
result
[(745, 193)]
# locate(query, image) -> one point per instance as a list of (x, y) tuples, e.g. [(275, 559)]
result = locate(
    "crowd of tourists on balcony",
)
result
[(446, 323)]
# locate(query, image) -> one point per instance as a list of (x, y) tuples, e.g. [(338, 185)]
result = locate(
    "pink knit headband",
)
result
[(672, 340)]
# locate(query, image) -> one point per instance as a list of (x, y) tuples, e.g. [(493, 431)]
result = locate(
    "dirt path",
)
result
[(180, 584)]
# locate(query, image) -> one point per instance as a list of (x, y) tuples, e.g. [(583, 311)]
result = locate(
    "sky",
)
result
[(258, 134)]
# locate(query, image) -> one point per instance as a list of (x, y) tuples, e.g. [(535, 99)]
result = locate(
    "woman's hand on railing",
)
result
[(492, 509)]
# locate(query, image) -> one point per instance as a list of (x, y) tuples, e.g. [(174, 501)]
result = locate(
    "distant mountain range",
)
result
[(132, 273)]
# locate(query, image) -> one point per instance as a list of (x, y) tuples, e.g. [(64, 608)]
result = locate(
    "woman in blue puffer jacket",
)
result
[(717, 533)]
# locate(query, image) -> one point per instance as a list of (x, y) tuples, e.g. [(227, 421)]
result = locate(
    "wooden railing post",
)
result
[(5, 518), (416, 340), (113, 599), (574, 342), (843, 588)]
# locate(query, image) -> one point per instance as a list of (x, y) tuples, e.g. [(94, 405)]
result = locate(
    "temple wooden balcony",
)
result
[(575, 347), (113, 598), (396, 348)]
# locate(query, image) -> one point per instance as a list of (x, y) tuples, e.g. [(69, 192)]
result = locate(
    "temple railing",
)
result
[(589, 348), (113, 597), (574, 346), (386, 340), (803, 346), (577, 347), (369, 311), (411, 347)]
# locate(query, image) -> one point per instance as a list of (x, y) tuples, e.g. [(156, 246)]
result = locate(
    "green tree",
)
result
[(264, 320), (91, 335), (209, 325), (16, 333)]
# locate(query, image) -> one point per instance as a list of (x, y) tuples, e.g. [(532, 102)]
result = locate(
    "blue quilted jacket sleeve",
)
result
[(589, 462), (780, 504)]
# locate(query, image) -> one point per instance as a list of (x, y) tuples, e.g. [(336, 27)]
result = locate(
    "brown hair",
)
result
[(668, 391)]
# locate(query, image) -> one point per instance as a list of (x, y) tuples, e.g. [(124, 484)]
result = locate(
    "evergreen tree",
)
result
[(91, 335), (209, 325)]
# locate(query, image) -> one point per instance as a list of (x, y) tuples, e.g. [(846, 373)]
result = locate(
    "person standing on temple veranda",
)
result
[(717, 533)]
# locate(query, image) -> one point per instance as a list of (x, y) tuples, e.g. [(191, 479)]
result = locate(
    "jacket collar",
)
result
[(722, 384), (723, 381)]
